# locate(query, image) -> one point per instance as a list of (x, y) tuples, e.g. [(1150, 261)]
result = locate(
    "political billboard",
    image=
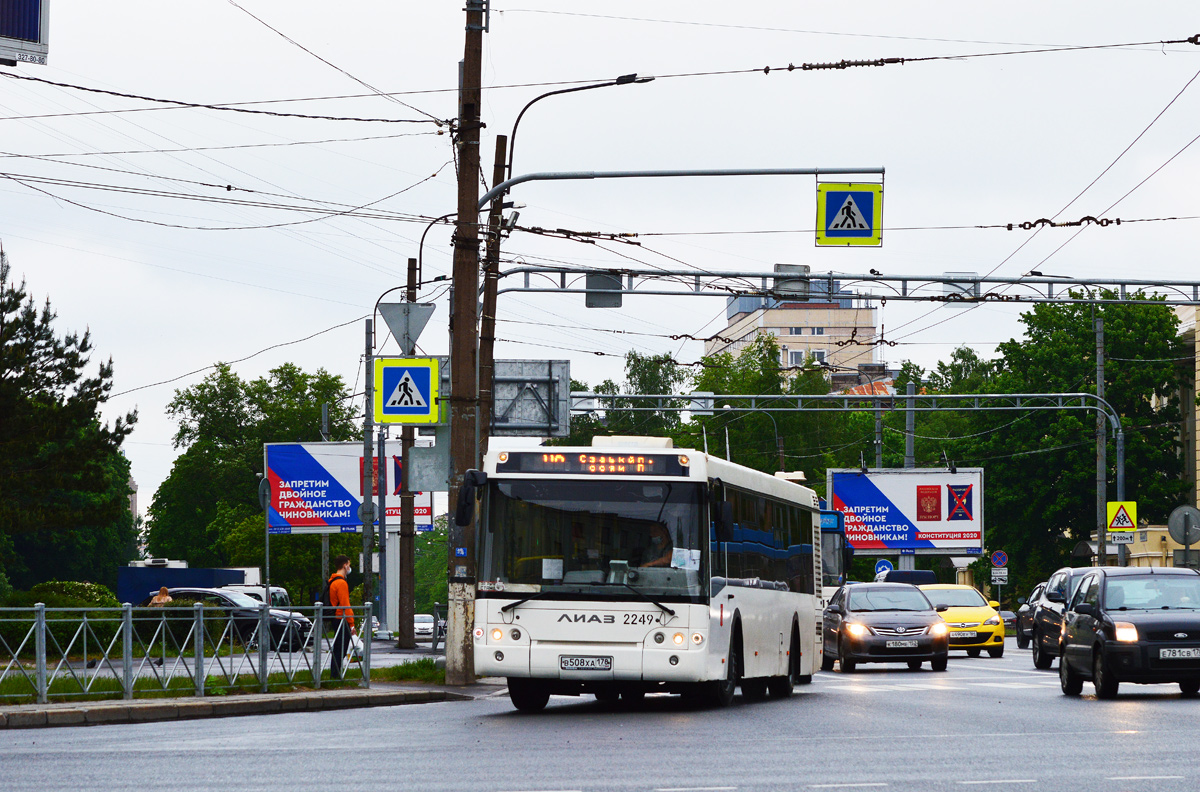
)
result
[(318, 487), (24, 31), (911, 510)]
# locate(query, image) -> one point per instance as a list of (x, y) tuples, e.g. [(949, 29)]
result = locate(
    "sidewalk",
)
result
[(90, 713)]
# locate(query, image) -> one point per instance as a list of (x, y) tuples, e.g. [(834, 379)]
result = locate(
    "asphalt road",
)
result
[(986, 723)]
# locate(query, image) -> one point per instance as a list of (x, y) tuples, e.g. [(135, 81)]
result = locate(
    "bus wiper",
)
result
[(664, 608), (511, 605)]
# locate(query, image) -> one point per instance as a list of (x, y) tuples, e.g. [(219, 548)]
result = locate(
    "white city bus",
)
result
[(631, 567)]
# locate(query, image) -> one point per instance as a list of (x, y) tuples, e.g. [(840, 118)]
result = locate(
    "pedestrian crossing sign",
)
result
[(849, 214), (406, 390), (1122, 516)]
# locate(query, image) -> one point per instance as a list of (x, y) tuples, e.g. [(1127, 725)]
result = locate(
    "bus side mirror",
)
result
[(724, 521), (468, 493)]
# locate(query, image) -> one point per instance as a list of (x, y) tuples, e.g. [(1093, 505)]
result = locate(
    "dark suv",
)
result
[(1024, 625), (1048, 611), (1132, 624)]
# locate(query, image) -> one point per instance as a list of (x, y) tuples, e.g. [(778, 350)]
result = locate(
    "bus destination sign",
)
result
[(592, 464)]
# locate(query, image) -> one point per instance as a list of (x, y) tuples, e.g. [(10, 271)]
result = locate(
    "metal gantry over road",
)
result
[(953, 288)]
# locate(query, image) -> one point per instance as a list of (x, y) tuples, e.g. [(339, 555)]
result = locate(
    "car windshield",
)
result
[(594, 538), (956, 598), (423, 618), (242, 600), (1152, 592), (890, 599)]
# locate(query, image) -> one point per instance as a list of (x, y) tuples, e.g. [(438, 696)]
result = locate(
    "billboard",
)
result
[(911, 510), (24, 31), (318, 487)]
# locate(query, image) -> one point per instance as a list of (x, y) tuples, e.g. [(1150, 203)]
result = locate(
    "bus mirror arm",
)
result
[(468, 493)]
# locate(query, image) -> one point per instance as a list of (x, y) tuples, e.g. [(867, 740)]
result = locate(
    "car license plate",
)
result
[(901, 644), (963, 635), (569, 663), (1178, 654)]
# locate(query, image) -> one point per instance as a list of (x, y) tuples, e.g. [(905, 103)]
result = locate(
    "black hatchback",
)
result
[(883, 623), (1132, 624)]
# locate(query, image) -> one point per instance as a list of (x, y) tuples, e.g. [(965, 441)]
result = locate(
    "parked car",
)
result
[(973, 622), (1024, 625), (882, 623), (279, 596), (290, 630), (1131, 624), (1047, 613)]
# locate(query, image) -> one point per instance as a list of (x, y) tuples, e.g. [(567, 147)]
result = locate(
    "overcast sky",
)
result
[(966, 142)]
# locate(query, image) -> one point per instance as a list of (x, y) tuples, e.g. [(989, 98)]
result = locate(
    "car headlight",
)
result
[(855, 629), (938, 629), (1126, 632), (992, 622)]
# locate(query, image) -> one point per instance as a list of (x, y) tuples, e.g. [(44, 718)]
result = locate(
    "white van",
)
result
[(279, 596)]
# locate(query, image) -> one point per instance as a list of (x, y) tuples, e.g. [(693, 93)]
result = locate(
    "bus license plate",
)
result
[(901, 644), (1178, 654), (963, 635), (568, 663)]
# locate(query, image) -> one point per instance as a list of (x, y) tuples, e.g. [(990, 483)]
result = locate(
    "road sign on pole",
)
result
[(999, 576), (406, 390), (1122, 520), (999, 558), (882, 565), (849, 214)]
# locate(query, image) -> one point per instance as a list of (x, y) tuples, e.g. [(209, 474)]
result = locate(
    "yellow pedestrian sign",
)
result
[(1122, 516), (849, 214), (406, 390)]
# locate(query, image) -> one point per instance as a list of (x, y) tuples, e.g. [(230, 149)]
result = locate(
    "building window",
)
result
[(797, 331), (818, 355), (796, 357), (818, 331)]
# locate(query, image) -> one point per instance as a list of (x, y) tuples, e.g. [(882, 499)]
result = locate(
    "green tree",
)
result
[(429, 570), (223, 423), (64, 485)]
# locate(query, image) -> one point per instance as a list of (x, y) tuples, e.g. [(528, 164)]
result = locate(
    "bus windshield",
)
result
[(594, 539)]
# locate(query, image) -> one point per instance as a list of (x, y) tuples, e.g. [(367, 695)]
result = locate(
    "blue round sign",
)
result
[(999, 558), (883, 565)]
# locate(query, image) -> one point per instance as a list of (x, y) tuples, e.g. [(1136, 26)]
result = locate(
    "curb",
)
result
[(32, 716)]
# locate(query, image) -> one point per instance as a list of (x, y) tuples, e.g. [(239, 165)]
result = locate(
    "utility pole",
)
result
[(487, 322), (368, 466), (910, 425), (1101, 452), (325, 537), (404, 624), (460, 660)]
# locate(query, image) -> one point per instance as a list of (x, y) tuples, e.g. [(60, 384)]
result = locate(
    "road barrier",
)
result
[(183, 648)]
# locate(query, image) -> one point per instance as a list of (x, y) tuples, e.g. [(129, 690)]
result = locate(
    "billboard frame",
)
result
[(15, 50), (921, 551)]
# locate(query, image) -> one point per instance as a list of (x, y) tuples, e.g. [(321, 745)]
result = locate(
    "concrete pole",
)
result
[(368, 464), (487, 322), (460, 660), (381, 510), (1101, 452), (910, 422), (878, 435)]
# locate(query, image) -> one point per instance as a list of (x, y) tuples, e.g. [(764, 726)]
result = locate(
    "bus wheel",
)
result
[(754, 689), (781, 687), (722, 692), (527, 695), (608, 696), (633, 698)]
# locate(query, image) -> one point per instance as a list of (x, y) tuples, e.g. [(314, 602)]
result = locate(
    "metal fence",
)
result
[(181, 649)]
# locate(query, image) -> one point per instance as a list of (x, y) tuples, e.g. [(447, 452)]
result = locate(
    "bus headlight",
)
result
[(697, 639), (497, 634), (678, 639)]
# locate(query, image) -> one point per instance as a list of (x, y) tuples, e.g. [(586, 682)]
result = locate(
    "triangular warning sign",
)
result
[(1120, 520), (849, 217), (406, 393)]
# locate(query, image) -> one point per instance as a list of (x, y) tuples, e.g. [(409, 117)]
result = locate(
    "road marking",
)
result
[(1144, 778), (693, 789), (845, 786), (1004, 781)]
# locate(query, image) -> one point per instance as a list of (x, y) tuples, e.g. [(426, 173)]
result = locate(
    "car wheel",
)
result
[(754, 689), (1068, 679), (1102, 678), (995, 651), (973, 652), (914, 665), (527, 695), (1190, 688), (939, 663), (1041, 660), (847, 665), (1022, 639)]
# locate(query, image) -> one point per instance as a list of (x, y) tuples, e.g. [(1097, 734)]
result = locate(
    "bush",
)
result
[(62, 626), (92, 594), (179, 618)]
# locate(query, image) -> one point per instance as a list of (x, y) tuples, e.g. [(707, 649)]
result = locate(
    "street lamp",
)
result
[(624, 79), (778, 439)]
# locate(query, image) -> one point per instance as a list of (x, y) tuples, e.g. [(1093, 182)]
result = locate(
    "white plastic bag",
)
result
[(355, 650)]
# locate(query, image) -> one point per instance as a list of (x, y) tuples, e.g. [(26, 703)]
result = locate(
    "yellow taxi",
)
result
[(973, 622)]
